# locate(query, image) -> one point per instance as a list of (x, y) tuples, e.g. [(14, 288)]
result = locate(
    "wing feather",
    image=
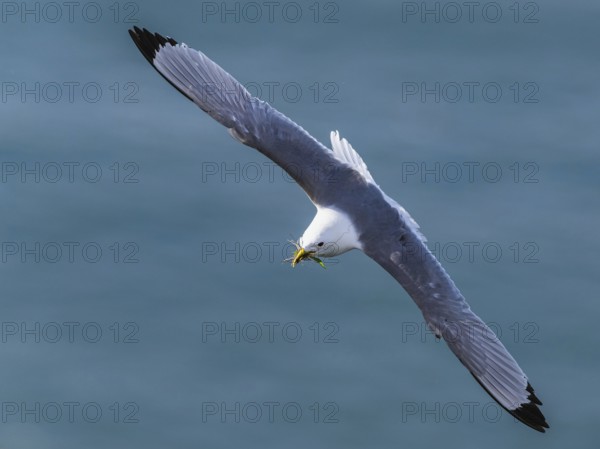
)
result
[(445, 310), (249, 119)]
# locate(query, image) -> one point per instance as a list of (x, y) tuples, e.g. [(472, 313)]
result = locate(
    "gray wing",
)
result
[(250, 120), (403, 254)]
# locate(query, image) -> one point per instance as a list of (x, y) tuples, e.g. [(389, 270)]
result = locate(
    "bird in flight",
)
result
[(353, 212)]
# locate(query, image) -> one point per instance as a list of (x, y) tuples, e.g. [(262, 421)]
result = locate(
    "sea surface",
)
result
[(145, 301)]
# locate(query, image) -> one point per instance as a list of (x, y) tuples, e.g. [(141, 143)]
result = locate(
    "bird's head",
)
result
[(312, 251), (329, 235)]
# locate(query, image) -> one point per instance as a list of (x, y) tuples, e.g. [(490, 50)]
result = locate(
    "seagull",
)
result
[(353, 212)]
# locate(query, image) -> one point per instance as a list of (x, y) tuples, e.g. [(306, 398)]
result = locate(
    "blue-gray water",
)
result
[(516, 227)]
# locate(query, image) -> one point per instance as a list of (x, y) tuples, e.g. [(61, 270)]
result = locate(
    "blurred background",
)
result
[(145, 301)]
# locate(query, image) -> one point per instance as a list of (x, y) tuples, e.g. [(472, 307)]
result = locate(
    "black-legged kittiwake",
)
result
[(352, 213)]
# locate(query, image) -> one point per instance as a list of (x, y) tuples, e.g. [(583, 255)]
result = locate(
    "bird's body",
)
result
[(352, 213)]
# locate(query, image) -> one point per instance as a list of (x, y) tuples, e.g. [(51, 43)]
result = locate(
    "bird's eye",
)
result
[(320, 244)]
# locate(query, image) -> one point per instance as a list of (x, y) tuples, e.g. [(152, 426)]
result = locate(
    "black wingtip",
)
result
[(149, 43), (529, 413)]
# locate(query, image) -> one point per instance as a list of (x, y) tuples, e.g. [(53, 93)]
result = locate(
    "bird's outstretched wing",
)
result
[(249, 119), (404, 255), (391, 237)]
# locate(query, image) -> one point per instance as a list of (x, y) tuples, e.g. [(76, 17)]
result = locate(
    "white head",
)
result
[(330, 234)]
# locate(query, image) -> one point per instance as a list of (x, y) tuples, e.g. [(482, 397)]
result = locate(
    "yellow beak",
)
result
[(299, 256)]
